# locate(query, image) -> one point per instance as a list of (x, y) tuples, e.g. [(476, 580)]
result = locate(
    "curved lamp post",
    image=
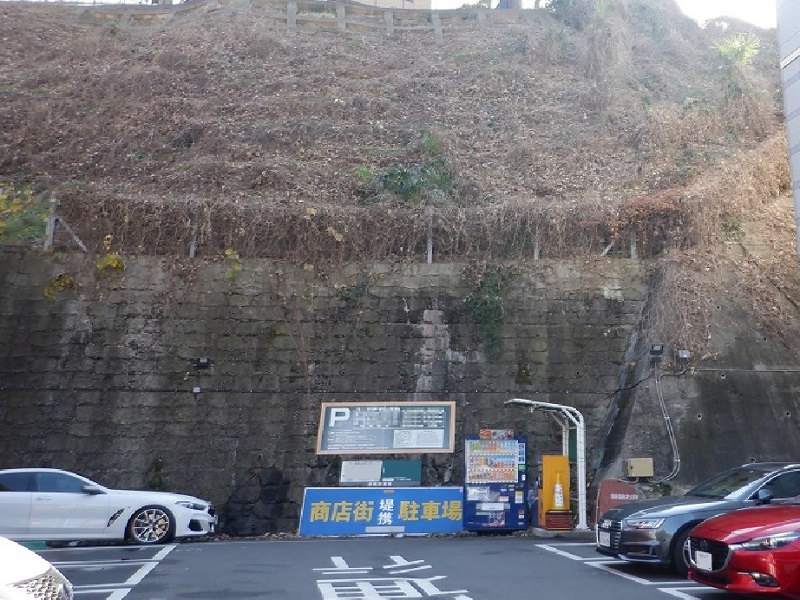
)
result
[(567, 416)]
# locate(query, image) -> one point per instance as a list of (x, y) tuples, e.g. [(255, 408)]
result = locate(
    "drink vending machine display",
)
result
[(495, 485)]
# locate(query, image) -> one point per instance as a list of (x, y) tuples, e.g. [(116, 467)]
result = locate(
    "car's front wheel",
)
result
[(151, 525), (680, 552)]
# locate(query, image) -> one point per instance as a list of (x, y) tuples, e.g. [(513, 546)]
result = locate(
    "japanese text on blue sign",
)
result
[(375, 511)]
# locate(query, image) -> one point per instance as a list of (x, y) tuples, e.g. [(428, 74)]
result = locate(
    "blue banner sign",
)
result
[(381, 511)]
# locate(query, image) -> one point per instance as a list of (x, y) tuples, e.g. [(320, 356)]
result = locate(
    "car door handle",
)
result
[(44, 498)]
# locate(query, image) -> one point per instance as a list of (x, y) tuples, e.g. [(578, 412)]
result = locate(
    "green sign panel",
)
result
[(381, 473), (386, 428)]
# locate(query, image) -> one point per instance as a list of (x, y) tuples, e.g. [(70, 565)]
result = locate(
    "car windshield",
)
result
[(727, 483)]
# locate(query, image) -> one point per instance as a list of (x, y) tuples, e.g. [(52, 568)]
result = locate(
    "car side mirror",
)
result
[(92, 490), (764, 496)]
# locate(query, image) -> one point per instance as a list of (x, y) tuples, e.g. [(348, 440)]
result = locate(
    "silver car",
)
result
[(654, 531)]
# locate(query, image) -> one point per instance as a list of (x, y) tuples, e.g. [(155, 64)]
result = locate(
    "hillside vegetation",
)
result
[(559, 135)]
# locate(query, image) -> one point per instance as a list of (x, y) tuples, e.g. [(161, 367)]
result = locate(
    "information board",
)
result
[(377, 511), (386, 428)]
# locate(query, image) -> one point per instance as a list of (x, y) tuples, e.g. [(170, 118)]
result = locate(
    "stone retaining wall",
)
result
[(100, 379)]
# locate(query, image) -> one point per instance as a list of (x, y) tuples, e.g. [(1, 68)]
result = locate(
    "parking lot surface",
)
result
[(106, 572), (654, 579), (460, 568)]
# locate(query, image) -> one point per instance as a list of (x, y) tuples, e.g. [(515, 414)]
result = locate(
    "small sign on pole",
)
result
[(381, 473)]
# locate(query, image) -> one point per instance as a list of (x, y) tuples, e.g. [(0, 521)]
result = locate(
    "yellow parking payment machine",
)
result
[(554, 509)]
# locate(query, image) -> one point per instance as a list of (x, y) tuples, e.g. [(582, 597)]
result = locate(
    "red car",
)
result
[(753, 551)]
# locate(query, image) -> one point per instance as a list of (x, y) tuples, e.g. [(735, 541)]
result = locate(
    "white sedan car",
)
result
[(24, 575), (50, 504)]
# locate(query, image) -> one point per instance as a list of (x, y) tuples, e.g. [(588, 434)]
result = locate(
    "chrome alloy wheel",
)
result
[(151, 525)]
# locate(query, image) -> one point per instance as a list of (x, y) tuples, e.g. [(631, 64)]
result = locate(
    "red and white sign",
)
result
[(613, 492)]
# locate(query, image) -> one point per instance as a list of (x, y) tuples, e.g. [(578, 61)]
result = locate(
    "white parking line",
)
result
[(573, 544), (145, 569), (564, 553), (96, 565), (679, 594), (553, 548), (121, 590), (678, 587), (674, 591), (604, 566)]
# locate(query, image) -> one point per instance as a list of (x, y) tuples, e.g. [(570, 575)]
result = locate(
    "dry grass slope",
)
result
[(544, 138)]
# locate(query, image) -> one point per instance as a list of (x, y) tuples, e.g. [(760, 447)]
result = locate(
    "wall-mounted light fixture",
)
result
[(656, 352), (202, 363)]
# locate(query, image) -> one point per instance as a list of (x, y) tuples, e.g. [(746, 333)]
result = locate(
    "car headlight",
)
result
[(644, 523), (770, 542), (191, 505)]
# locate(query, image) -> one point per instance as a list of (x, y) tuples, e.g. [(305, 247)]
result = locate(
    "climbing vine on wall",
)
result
[(58, 284), (156, 479), (111, 262), (485, 303), (233, 262)]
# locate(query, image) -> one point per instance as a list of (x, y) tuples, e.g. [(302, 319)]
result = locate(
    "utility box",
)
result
[(640, 467)]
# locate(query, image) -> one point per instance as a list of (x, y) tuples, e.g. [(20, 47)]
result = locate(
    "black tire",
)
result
[(151, 525), (680, 554)]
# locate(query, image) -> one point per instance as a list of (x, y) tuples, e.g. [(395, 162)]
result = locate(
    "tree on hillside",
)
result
[(745, 106), (737, 53), (738, 50)]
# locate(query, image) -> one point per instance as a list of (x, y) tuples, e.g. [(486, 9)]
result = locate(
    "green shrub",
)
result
[(409, 183), (23, 218)]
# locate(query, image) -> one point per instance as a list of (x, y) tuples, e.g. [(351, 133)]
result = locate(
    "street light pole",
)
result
[(572, 415)]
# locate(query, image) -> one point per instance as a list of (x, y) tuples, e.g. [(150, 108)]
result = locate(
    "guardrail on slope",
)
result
[(341, 16)]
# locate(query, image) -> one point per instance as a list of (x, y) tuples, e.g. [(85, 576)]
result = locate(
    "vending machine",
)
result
[(495, 482)]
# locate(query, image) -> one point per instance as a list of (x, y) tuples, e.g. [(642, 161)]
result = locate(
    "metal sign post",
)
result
[(567, 415)]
